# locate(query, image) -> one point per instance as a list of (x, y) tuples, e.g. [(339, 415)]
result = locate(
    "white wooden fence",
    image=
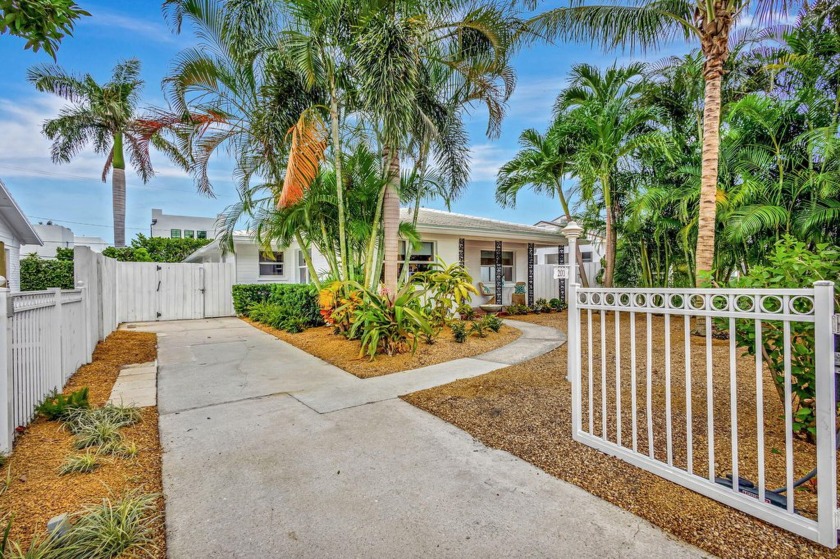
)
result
[(43, 338), (46, 335), (708, 423)]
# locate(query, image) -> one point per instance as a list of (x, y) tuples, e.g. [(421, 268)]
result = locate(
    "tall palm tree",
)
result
[(647, 24), (105, 115), (612, 125), (396, 45), (541, 164)]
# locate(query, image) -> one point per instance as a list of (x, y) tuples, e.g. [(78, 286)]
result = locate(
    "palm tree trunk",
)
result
[(370, 278), (408, 247), (118, 190), (391, 217), (339, 185), (611, 241), (706, 223), (307, 258)]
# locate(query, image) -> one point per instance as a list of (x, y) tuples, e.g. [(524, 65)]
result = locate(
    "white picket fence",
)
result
[(629, 401), (43, 338), (46, 335)]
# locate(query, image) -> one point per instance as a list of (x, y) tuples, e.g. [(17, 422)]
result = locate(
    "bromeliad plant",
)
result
[(385, 323)]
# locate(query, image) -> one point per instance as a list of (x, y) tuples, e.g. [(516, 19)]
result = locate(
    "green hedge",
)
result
[(37, 274), (285, 303), (156, 249)]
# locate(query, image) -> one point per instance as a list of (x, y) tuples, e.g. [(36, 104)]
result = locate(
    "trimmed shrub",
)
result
[(37, 274), (61, 406), (291, 307)]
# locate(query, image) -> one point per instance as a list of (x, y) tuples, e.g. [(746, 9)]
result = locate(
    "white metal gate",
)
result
[(149, 291), (696, 409)]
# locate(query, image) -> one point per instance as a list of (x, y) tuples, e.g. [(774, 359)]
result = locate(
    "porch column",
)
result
[(499, 277), (561, 259), (530, 274), (461, 259)]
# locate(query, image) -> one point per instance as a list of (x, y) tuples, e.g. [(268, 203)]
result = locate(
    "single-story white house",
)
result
[(497, 254), (15, 230)]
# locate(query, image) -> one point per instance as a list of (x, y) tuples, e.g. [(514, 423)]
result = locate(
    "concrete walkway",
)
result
[(270, 452)]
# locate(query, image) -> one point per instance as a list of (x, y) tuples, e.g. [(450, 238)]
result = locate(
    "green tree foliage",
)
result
[(37, 274), (779, 145), (156, 249), (43, 23), (790, 265)]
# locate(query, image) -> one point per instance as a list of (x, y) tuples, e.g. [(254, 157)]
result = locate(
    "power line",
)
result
[(81, 223)]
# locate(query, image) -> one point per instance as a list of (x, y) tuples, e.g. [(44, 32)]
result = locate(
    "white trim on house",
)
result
[(15, 230)]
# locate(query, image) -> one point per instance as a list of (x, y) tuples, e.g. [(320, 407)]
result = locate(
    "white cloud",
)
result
[(485, 160), (25, 152), (156, 31)]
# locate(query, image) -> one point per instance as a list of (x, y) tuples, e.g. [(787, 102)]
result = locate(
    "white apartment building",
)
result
[(182, 226)]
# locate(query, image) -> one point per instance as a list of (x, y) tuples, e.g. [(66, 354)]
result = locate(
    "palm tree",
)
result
[(102, 114), (541, 164), (396, 46), (611, 126), (647, 24)]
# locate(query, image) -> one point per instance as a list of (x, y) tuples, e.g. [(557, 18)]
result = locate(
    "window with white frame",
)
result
[(488, 266), (271, 264), (303, 271), (420, 259)]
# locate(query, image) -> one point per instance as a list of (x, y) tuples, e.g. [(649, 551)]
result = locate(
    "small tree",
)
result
[(43, 23)]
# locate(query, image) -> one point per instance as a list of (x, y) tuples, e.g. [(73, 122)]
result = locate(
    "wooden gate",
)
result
[(148, 291)]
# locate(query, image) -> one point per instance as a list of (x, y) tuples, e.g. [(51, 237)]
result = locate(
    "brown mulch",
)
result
[(344, 353), (37, 493), (525, 410)]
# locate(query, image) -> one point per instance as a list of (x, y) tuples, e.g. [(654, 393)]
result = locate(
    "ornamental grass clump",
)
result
[(79, 464)]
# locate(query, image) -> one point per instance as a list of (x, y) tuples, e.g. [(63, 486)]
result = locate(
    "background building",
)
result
[(182, 226), (15, 230), (57, 236)]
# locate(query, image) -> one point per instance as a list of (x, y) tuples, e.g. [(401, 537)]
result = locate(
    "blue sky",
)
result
[(73, 195)]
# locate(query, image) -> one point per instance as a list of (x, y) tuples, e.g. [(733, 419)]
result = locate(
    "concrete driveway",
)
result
[(270, 452)]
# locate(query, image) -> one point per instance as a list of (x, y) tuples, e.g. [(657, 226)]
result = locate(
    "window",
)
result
[(175, 233), (189, 234), (201, 234), (420, 257), (551, 258), (488, 266), (303, 271), (586, 256), (271, 264)]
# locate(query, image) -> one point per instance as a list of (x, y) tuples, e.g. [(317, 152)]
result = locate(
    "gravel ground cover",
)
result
[(344, 353), (525, 410), (37, 492)]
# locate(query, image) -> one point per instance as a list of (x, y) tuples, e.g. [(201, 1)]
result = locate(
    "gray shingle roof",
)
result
[(437, 219)]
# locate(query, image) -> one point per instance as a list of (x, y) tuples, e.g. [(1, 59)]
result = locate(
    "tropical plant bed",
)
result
[(525, 409), (344, 353), (36, 491)]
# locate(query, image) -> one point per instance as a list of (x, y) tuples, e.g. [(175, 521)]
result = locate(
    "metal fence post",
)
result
[(826, 412), (6, 427), (55, 340)]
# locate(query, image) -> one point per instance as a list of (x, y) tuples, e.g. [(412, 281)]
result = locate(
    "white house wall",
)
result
[(12, 255)]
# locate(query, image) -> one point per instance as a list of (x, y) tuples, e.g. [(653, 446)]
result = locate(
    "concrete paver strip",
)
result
[(136, 385), (252, 470)]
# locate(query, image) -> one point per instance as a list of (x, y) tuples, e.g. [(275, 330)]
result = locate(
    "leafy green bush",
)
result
[(445, 288), (478, 328), (388, 327), (466, 311), (541, 305), (492, 322), (791, 265), (517, 309), (37, 274), (156, 249), (60, 406), (296, 300), (557, 304), (290, 307), (459, 331), (65, 254)]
